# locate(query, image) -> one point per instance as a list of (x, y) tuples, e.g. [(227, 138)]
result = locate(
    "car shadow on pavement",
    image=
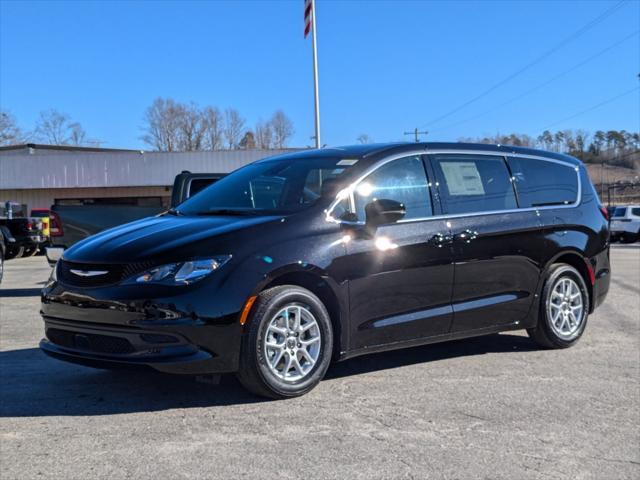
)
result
[(33, 385), (19, 292), (432, 353)]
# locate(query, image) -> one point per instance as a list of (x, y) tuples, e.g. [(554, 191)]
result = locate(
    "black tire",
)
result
[(1, 264), (544, 334), (15, 252), (629, 237), (254, 373)]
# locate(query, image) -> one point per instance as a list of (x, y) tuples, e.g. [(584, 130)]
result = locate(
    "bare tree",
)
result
[(162, 121), (364, 138), (264, 135), (191, 128), (233, 127), (212, 120), (248, 141), (10, 133), (53, 127), (282, 128), (77, 135)]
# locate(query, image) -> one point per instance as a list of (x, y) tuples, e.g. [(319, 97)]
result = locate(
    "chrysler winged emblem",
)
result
[(89, 273)]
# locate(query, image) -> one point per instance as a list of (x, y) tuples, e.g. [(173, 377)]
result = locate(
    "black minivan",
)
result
[(296, 260)]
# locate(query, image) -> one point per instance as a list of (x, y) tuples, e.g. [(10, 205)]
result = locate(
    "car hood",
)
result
[(169, 237)]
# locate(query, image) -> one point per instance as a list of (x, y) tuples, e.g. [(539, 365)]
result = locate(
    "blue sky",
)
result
[(385, 66)]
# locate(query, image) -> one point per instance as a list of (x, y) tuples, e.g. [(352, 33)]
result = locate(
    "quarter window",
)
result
[(473, 183), (619, 212), (403, 180), (540, 183)]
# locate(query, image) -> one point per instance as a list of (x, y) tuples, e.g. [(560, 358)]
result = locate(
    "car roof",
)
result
[(378, 149)]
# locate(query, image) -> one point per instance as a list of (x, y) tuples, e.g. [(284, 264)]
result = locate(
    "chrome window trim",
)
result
[(348, 191)]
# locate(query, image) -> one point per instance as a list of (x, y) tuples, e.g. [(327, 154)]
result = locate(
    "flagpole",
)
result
[(315, 73)]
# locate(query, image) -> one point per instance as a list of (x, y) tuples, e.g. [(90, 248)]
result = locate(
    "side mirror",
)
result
[(384, 211)]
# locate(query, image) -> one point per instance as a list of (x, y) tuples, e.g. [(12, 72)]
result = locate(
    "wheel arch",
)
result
[(318, 282), (575, 259)]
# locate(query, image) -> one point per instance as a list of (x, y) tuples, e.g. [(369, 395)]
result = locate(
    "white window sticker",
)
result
[(462, 178), (347, 161)]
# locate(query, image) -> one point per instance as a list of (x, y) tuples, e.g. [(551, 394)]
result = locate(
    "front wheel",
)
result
[(14, 252), (287, 343), (564, 308)]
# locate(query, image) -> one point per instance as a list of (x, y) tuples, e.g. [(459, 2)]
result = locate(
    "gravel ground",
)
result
[(493, 407)]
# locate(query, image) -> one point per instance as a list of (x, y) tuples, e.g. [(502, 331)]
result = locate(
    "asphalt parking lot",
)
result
[(492, 407)]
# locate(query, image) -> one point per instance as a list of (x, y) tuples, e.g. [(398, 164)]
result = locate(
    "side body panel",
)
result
[(400, 287), (497, 268)]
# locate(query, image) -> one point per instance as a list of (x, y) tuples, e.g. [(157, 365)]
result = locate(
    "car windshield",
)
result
[(269, 187), (619, 211)]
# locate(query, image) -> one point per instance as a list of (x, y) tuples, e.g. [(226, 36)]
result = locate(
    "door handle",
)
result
[(440, 240), (466, 236)]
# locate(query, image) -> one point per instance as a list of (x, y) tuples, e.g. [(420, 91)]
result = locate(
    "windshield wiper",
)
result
[(227, 211)]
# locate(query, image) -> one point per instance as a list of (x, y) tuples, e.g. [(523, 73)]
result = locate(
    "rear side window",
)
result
[(636, 211), (619, 212), (540, 183), (403, 180), (473, 183)]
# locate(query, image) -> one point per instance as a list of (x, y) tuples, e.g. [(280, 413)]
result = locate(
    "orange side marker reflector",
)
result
[(247, 309)]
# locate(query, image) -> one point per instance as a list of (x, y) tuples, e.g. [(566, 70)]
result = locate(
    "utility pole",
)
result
[(416, 133), (316, 95)]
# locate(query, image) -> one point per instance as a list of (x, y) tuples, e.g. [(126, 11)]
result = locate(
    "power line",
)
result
[(620, 95), (536, 61), (541, 85)]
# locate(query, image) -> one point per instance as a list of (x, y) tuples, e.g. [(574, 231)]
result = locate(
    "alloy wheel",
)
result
[(292, 343), (566, 308)]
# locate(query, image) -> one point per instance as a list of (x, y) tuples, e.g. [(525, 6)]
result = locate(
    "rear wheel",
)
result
[(563, 310), (1, 264), (287, 344), (630, 237)]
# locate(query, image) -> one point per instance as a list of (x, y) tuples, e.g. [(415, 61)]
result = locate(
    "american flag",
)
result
[(308, 12)]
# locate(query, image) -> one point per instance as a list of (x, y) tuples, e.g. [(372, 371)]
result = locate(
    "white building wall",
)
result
[(59, 169), (45, 197)]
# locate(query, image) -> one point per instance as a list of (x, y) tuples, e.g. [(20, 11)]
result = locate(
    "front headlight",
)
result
[(182, 273)]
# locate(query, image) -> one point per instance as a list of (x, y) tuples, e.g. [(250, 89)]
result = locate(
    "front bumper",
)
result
[(117, 347), (168, 335)]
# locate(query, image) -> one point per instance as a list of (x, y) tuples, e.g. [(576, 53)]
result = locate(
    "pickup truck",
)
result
[(26, 233), (72, 221)]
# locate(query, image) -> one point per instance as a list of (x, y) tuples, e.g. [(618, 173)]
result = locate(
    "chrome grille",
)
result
[(113, 273)]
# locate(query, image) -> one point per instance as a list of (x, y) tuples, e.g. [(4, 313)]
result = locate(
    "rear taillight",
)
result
[(29, 226), (55, 227), (604, 212)]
